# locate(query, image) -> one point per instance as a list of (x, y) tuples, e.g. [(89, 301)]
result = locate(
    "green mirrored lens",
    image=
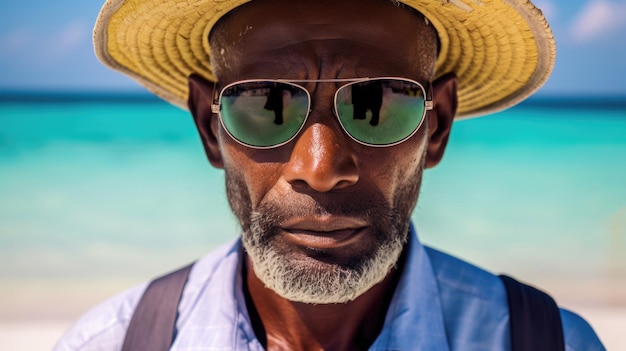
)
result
[(380, 111), (263, 113)]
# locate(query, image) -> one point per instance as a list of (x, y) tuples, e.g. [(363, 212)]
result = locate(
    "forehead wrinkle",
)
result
[(280, 34), (312, 32), (307, 58)]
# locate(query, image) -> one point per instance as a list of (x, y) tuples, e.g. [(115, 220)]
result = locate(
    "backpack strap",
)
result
[(152, 327), (535, 318)]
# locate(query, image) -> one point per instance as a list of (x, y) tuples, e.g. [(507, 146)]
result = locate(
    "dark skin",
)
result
[(288, 325), (319, 40)]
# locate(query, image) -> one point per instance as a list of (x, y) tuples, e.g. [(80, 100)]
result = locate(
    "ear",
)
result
[(199, 102), (440, 118)]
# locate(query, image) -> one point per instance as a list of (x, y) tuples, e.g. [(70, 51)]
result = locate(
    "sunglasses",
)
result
[(268, 113)]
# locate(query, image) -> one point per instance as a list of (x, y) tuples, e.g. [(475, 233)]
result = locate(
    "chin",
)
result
[(315, 276)]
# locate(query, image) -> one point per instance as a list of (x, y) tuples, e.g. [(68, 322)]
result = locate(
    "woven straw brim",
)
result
[(501, 50)]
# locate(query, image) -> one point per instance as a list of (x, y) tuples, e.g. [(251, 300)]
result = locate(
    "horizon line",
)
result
[(139, 96)]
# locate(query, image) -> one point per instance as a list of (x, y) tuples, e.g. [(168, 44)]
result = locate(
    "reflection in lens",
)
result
[(263, 113), (367, 97), (380, 111)]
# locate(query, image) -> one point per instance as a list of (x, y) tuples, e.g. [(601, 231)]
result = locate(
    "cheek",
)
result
[(258, 177), (392, 169)]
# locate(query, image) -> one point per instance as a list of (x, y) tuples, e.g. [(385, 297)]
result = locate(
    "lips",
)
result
[(323, 232)]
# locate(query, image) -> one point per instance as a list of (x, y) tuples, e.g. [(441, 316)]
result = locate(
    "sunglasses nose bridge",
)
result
[(322, 96), (326, 116), (322, 104), (323, 114)]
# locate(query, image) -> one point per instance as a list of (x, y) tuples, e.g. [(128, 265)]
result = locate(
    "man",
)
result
[(328, 259)]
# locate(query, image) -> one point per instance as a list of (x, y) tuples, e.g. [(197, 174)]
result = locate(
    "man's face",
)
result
[(324, 218)]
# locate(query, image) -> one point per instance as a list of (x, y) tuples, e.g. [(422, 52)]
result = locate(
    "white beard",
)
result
[(312, 281)]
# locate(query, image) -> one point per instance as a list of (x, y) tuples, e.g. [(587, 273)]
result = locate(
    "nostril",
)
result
[(298, 184)]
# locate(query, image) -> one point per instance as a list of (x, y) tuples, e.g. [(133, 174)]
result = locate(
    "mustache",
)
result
[(355, 206), (265, 221)]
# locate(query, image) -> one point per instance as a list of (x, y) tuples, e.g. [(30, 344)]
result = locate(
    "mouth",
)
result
[(323, 233)]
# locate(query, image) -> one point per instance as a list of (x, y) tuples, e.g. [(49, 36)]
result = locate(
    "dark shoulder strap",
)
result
[(153, 323), (534, 318)]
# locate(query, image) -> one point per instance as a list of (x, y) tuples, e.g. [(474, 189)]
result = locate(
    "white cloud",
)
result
[(599, 18), (73, 35)]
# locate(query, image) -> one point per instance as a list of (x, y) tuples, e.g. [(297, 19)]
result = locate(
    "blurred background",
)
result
[(103, 186)]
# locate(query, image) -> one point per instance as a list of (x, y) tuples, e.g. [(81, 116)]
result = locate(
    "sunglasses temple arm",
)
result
[(215, 106), (429, 97)]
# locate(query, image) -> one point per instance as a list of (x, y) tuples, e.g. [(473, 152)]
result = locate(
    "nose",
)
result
[(322, 159)]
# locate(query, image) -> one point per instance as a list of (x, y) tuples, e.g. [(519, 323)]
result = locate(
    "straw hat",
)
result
[(501, 50)]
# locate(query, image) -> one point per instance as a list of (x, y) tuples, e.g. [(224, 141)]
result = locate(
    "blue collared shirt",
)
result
[(440, 303)]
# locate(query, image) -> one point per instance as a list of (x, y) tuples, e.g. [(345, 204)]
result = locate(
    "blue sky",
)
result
[(46, 45)]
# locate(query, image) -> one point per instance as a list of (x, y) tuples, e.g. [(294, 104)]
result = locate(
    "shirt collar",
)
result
[(414, 319)]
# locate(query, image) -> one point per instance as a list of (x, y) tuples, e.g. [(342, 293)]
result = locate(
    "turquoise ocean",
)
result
[(98, 193)]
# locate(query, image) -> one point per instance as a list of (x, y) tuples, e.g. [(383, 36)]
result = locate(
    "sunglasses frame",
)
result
[(216, 106)]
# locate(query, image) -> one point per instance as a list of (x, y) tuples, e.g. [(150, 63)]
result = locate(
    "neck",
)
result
[(281, 324)]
